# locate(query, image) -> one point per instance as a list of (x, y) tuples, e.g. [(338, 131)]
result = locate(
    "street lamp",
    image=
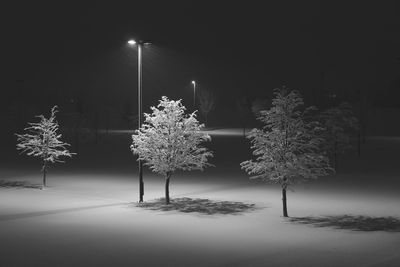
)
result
[(131, 42), (194, 94), (139, 44)]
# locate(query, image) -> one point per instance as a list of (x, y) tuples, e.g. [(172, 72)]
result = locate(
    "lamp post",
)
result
[(140, 45), (194, 94)]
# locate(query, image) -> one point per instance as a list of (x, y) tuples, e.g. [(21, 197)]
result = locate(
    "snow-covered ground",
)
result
[(89, 215)]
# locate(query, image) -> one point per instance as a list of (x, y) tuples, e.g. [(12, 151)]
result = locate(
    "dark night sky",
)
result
[(69, 51)]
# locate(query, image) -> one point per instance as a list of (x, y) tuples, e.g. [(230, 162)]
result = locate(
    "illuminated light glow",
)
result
[(194, 82), (131, 42)]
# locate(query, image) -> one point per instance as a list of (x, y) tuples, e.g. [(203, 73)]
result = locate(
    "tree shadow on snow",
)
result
[(18, 184), (352, 222), (200, 205)]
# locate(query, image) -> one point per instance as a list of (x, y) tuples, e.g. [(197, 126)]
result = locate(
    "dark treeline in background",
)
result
[(76, 57)]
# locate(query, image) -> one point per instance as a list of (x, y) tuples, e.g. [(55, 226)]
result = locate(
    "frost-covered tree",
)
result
[(287, 148), (43, 141), (207, 103), (170, 140), (339, 123)]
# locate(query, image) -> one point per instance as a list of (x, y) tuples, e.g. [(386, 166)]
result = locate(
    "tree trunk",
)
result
[(167, 188), (44, 173), (285, 213), (141, 182)]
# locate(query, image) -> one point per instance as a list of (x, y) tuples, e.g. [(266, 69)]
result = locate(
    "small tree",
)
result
[(339, 123), (43, 141), (207, 103), (287, 148), (243, 106), (170, 140)]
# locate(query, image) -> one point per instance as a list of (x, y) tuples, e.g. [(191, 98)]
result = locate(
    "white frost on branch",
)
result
[(287, 149), (43, 141), (170, 140)]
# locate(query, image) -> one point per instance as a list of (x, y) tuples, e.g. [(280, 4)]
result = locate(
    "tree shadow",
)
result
[(352, 222), (18, 184), (199, 205)]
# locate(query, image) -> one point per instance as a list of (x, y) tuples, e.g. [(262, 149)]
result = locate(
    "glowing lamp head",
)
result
[(131, 42), (193, 82)]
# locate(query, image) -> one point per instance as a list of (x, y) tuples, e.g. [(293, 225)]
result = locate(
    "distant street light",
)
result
[(131, 42), (194, 94), (139, 44)]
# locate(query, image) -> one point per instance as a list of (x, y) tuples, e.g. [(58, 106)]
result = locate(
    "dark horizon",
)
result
[(67, 54)]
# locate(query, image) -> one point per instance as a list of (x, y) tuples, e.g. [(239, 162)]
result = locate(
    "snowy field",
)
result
[(89, 215)]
